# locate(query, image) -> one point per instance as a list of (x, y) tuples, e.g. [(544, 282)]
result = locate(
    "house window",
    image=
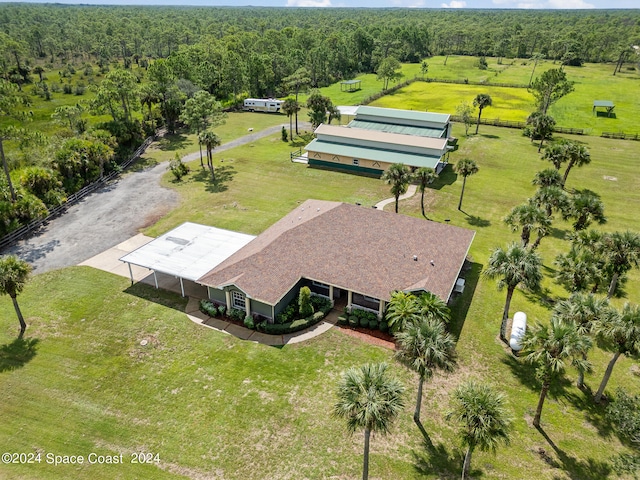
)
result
[(370, 299), (356, 161), (238, 300), (320, 285)]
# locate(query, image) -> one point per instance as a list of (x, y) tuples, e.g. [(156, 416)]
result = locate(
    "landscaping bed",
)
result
[(289, 321)]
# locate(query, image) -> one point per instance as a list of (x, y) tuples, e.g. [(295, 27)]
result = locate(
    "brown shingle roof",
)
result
[(365, 250)]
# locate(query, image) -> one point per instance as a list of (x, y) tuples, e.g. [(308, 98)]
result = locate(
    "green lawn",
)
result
[(212, 406), (256, 185), (592, 82)]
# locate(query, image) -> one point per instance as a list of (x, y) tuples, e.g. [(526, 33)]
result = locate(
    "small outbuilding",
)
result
[(350, 85), (608, 105)]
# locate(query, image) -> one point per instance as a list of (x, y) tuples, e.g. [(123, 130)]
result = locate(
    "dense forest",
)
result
[(134, 69), (227, 50)]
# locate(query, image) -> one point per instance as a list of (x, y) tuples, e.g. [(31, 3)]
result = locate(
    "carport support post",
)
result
[(155, 279), (130, 273), (181, 286)]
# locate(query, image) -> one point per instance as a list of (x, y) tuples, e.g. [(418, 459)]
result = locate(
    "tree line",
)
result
[(230, 50)]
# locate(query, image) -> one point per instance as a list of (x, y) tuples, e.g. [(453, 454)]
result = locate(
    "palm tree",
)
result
[(432, 306), (586, 207), (290, 107), (553, 198), (210, 140), (513, 266), (398, 176), (579, 268), (541, 127), (622, 253), (424, 347), (402, 310), (465, 167), (13, 277), (483, 419), (548, 177), (619, 334), (481, 101), (424, 176), (578, 156), (584, 310), (548, 347), (369, 399), (556, 154), (530, 218)]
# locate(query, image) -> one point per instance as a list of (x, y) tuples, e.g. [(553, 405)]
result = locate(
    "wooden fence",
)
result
[(496, 122), (466, 81), (73, 198), (621, 135)]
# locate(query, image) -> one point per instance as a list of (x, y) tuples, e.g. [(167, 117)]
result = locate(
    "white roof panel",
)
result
[(188, 251)]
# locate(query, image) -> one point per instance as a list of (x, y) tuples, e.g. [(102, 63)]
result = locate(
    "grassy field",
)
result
[(212, 406), (592, 82), (256, 185)]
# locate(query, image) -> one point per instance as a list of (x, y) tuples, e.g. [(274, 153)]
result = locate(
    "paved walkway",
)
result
[(410, 193)]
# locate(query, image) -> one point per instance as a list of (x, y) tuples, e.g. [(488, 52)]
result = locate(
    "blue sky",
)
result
[(546, 4)]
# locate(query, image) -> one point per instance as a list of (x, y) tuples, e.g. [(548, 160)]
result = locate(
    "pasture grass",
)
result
[(214, 406), (256, 184)]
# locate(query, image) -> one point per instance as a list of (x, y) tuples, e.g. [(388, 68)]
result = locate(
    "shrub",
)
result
[(364, 322), (178, 168), (304, 300), (208, 308), (284, 134), (384, 326), (248, 322), (373, 324), (321, 304), (343, 320), (353, 321), (317, 316), (80, 89), (237, 314), (67, 88), (221, 310), (624, 413)]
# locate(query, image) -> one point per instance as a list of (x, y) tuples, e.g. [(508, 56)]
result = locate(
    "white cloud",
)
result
[(569, 4), (409, 3), (308, 3), (454, 4), (530, 6)]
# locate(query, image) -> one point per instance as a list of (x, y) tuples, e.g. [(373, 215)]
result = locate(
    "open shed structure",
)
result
[(350, 85), (608, 106), (187, 252)]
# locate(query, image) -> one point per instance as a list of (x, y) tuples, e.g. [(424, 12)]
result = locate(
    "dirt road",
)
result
[(108, 216)]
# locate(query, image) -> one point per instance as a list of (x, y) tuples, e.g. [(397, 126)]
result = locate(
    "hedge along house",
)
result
[(341, 251), (379, 137)]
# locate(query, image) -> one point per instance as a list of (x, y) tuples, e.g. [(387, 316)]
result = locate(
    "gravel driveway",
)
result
[(108, 216)]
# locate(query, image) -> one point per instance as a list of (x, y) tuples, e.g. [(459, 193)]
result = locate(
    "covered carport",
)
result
[(185, 254)]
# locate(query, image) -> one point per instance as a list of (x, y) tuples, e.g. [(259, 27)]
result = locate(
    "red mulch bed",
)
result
[(374, 337)]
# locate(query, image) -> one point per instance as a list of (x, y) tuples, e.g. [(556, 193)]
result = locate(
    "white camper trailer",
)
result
[(269, 105)]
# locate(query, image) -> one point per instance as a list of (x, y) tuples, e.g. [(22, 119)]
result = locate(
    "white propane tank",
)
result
[(518, 327)]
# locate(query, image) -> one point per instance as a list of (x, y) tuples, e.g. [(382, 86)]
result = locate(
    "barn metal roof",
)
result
[(395, 128), (188, 251), (398, 114), (378, 155)]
